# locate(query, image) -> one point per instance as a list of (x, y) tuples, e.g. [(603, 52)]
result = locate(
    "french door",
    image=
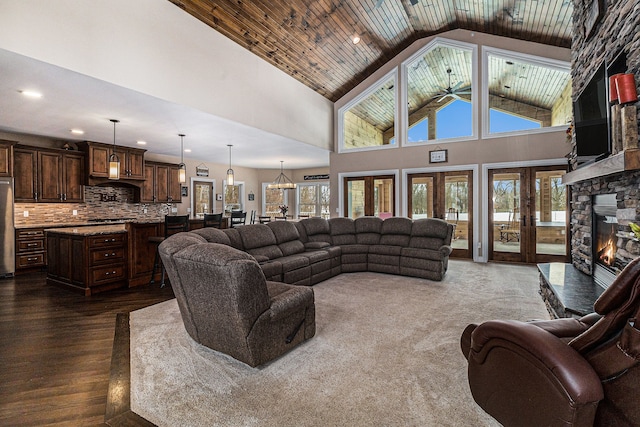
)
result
[(449, 196), (369, 196), (528, 215)]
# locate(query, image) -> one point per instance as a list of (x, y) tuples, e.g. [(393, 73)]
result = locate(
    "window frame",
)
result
[(361, 97), (241, 186), (318, 203), (404, 95), (520, 57), (264, 197)]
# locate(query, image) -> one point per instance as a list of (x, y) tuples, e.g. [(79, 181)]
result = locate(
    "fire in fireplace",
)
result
[(605, 230)]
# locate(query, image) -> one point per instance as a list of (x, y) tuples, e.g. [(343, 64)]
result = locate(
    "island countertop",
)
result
[(89, 230)]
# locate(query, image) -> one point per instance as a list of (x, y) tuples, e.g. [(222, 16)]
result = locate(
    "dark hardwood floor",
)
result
[(55, 350)]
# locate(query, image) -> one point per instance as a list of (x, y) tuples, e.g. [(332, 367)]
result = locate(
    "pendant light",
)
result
[(282, 182), (230, 177), (114, 160), (182, 169)]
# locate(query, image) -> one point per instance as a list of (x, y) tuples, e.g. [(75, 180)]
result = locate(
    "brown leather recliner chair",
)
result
[(563, 372)]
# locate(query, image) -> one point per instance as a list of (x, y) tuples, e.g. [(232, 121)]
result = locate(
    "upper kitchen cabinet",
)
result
[(131, 160), (161, 183), (6, 158), (48, 175)]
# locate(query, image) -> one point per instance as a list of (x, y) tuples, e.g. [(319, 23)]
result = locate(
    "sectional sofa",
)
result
[(315, 249)]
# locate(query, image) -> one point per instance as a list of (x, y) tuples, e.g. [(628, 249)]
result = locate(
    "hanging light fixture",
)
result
[(114, 160), (282, 181), (230, 176), (182, 169)]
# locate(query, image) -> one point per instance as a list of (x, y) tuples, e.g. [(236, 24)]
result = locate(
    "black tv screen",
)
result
[(591, 119)]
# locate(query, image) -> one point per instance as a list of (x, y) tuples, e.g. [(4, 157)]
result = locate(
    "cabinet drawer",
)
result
[(106, 240), (108, 273), (29, 234), (32, 260), (30, 245), (106, 255)]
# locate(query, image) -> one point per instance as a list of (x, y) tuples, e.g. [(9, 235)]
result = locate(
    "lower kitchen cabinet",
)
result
[(141, 252), (87, 259), (31, 250)]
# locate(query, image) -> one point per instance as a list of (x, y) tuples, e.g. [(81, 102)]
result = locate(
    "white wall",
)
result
[(156, 48)]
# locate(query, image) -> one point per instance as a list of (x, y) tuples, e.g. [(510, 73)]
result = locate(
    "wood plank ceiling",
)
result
[(311, 40)]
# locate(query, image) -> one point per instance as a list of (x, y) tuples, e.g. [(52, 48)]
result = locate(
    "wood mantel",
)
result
[(628, 160)]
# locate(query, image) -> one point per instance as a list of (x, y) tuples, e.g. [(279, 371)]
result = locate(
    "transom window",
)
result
[(440, 92), (525, 92)]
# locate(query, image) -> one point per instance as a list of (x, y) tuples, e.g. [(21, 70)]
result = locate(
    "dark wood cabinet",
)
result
[(25, 163), (48, 176), (161, 183), (131, 160), (31, 250), (6, 158), (141, 252), (87, 262)]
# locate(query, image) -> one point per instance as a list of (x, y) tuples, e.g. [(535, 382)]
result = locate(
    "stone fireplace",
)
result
[(605, 232)]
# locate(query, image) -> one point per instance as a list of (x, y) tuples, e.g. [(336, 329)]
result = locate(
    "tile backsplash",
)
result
[(100, 203)]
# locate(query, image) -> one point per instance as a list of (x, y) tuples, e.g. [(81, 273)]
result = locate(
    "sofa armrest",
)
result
[(290, 301), (554, 358), (446, 250)]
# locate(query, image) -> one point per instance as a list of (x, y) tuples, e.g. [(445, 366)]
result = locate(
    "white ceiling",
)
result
[(71, 100)]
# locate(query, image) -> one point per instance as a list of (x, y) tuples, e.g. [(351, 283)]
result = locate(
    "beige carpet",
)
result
[(386, 353)]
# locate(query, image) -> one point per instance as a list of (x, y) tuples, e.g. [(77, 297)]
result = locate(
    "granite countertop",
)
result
[(90, 230)]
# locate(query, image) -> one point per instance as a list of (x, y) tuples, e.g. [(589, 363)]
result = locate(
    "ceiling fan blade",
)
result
[(464, 92), (440, 100), (456, 86), (379, 3), (455, 95)]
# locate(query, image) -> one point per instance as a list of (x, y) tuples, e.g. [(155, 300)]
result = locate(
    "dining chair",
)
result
[(213, 220), (238, 218), (172, 224), (264, 219)]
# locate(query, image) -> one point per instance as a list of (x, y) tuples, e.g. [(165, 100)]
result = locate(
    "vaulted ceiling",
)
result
[(312, 40)]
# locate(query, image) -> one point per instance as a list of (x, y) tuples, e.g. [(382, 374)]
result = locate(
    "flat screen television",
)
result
[(591, 119)]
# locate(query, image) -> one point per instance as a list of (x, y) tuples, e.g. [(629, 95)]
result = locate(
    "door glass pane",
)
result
[(421, 197), (506, 212), (355, 199), (383, 197), (274, 198), (551, 213), (457, 209), (202, 197)]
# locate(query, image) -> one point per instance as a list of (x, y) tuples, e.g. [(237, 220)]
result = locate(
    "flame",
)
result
[(608, 253)]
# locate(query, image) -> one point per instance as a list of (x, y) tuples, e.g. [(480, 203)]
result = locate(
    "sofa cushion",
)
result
[(316, 245), (258, 239), (343, 231), (213, 235), (396, 231), (433, 254), (316, 229), (368, 230), (287, 237), (234, 238)]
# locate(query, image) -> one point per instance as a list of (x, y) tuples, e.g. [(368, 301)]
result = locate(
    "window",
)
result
[(440, 92), (272, 199), (233, 197), (524, 93), (368, 122), (313, 199)]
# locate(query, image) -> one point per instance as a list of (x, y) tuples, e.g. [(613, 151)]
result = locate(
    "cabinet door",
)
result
[(6, 156), (162, 183), (174, 184), (73, 178), (50, 177), (136, 164), (99, 161), (25, 166), (147, 193)]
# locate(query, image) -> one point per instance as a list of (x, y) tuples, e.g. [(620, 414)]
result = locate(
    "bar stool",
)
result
[(172, 224)]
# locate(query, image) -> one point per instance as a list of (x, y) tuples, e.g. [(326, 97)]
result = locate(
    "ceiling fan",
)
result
[(454, 91), (379, 3)]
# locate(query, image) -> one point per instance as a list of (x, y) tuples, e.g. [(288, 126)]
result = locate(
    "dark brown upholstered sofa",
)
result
[(227, 304), (563, 372)]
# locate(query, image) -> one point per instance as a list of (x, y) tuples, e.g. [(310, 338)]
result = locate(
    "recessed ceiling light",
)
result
[(356, 39), (31, 93), (77, 131), (187, 150), (142, 142)]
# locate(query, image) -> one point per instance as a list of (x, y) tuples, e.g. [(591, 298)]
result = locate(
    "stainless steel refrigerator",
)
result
[(7, 229)]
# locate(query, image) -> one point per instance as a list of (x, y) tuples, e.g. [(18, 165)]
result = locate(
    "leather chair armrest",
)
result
[(555, 359), (564, 327)]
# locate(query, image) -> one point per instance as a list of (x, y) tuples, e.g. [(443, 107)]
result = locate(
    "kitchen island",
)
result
[(88, 259)]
